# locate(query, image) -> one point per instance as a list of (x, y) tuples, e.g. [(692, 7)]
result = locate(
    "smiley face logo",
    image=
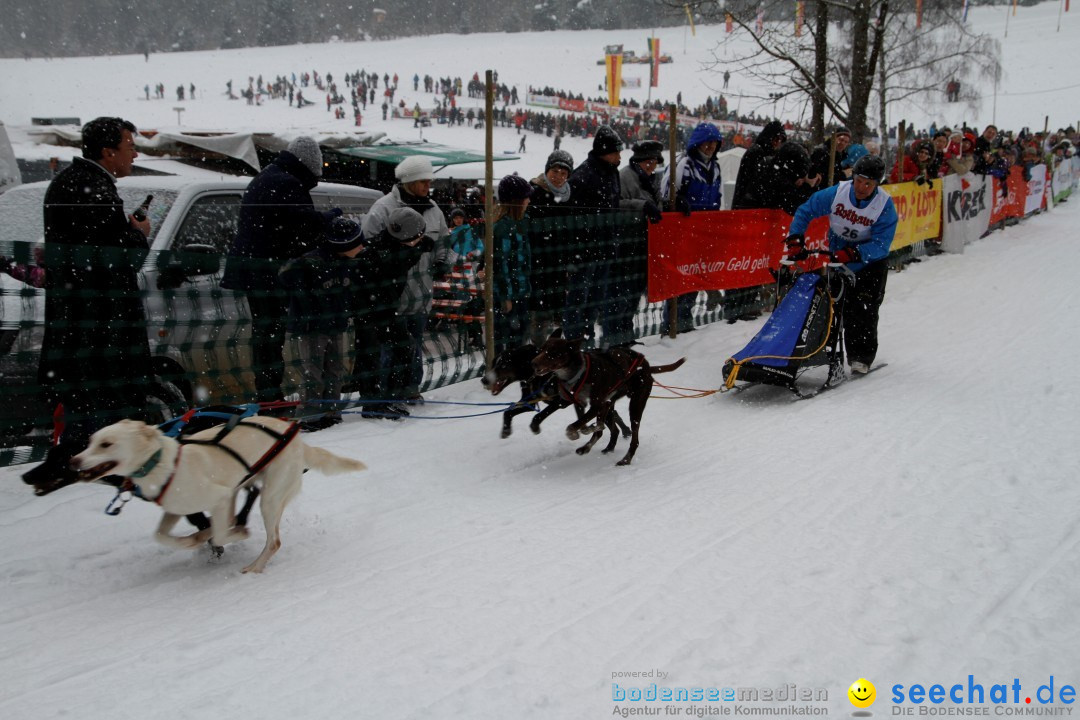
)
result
[(862, 693)]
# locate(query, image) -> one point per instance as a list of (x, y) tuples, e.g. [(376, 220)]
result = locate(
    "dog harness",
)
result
[(570, 389), (174, 428)]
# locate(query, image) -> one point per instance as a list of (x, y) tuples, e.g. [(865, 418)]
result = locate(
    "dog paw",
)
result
[(535, 429), (583, 450), (252, 568), (236, 534), (572, 433), (623, 462), (506, 432)]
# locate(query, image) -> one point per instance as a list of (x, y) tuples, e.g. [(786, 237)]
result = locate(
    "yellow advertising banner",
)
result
[(614, 77), (919, 210)]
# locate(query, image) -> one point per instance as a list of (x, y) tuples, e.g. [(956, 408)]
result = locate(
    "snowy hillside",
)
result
[(1038, 64), (915, 526)]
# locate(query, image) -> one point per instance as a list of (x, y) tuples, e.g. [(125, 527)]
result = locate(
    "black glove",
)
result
[(920, 180), (682, 205), (5, 263), (795, 243), (440, 270), (929, 183), (652, 212), (336, 213)]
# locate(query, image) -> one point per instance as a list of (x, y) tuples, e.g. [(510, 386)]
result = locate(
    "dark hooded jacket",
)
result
[(756, 183), (278, 221)]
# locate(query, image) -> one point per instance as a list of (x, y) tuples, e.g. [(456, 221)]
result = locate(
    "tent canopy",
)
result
[(440, 155)]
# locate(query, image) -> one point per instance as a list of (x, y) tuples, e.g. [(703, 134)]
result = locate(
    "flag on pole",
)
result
[(800, 14), (613, 58), (654, 62), (918, 14), (690, 19), (729, 22), (965, 9), (760, 24)]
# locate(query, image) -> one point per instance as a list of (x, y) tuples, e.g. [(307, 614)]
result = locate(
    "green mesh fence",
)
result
[(585, 272)]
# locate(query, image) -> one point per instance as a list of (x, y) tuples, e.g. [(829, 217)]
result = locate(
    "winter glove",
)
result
[(652, 212), (795, 243), (920, 180), (440, 270), (847, 255), (336, 213), (682, 205)]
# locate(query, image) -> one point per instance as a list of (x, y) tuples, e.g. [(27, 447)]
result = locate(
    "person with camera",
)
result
[(95, 356), (383, 271), (862, 224)]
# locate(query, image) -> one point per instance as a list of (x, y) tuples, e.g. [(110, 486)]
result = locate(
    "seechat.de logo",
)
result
[(862, 693)]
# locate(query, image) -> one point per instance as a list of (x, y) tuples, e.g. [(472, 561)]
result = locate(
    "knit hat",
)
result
[(606, 141), (457, 212), (560, 158), (648, 150), (842, 131), (344, 235), (514, 188), (854, 152), (413, 168), (406, 224), (308, 153)]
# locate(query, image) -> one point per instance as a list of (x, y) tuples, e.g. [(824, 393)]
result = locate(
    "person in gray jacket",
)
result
[(640, 191), (405, 359)]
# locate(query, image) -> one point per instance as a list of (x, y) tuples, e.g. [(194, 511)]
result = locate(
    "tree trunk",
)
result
[(861, 81), (883, 125), (821, 60)]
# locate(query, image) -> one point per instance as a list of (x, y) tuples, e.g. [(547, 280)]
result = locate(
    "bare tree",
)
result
[(872, 44)]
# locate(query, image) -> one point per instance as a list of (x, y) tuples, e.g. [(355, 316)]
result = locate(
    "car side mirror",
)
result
[(194, 260)]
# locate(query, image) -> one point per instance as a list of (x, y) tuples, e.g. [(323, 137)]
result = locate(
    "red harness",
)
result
[(571, 394)]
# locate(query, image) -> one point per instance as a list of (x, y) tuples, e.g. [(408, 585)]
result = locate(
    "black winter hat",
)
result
[(871, 167), (560, 158), (606, 141), (513, 188), (344, 235), (648, 150), (456, 212)]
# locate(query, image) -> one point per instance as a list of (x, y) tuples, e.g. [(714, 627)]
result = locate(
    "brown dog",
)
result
[(599, 378)]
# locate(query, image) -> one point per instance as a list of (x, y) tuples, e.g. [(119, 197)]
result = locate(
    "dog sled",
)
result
[(805, 331)]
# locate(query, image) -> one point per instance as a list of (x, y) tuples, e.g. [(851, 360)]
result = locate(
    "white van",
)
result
[(198, 330)]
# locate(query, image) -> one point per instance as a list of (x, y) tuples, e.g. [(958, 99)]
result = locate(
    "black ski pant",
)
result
[(861, 312), (269, 313)]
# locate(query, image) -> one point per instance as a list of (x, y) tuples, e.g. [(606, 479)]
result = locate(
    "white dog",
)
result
[(190, 478)]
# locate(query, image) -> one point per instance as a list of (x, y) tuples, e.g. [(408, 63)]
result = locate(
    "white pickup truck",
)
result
[(198, 330)]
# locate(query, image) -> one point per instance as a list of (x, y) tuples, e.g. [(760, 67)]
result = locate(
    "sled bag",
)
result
[(792, 338)]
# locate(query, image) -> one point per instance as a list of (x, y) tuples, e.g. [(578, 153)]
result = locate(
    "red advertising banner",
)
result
[(577, 106), (720, 250), (1010, 204)]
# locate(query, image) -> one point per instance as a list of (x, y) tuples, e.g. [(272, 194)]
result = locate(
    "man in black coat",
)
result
[(595, 190), (278, 221), (95, 357)]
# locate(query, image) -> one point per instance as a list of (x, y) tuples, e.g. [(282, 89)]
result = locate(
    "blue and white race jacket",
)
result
[(868, 226)]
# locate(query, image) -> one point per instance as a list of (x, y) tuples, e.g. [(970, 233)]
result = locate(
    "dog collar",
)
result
[(147, 467)]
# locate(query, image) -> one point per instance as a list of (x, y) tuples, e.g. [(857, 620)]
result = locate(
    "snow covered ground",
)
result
[(1038, 64), (915, 526)]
